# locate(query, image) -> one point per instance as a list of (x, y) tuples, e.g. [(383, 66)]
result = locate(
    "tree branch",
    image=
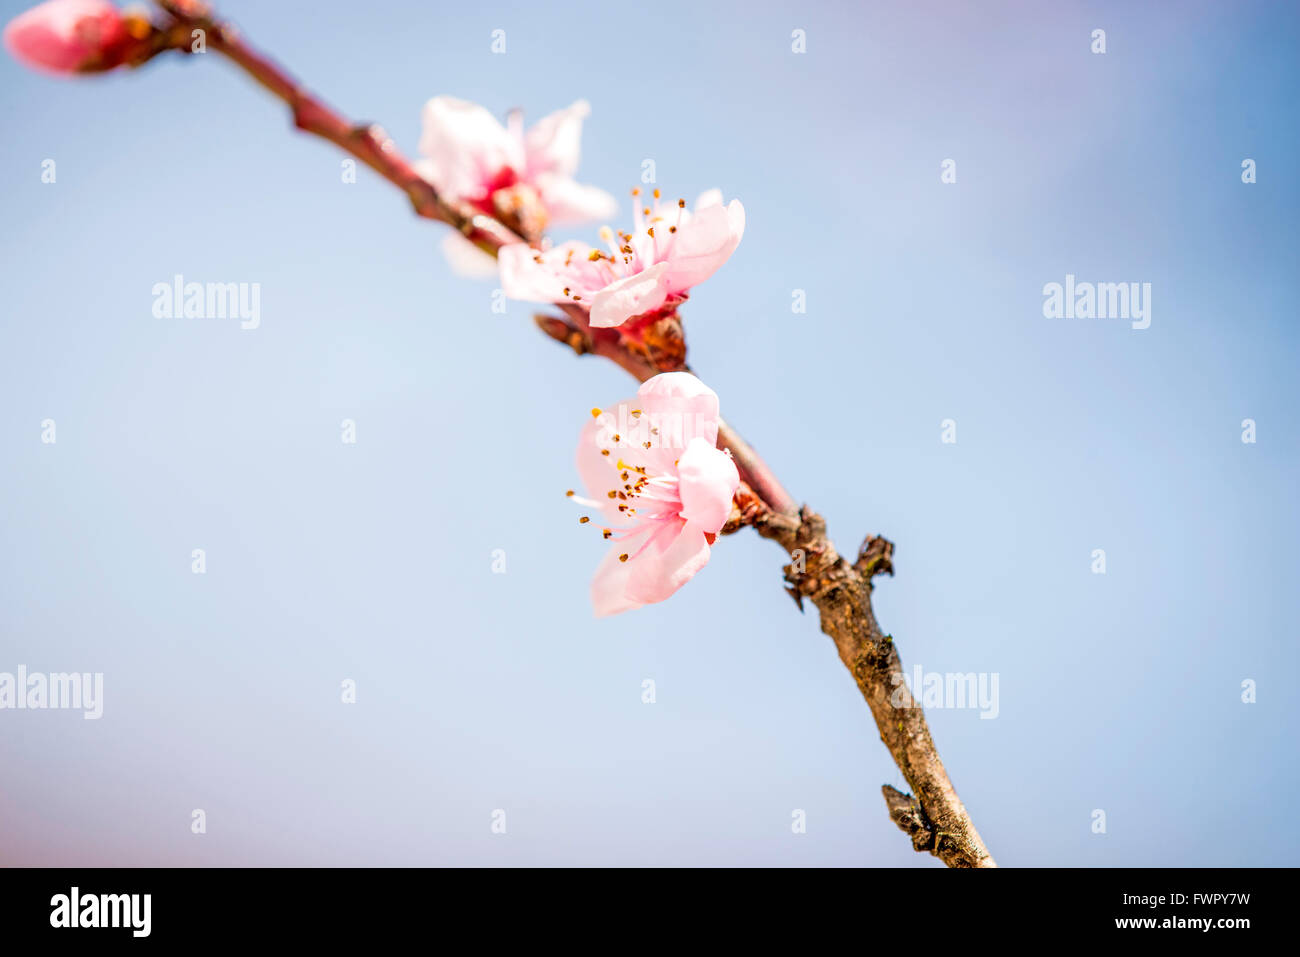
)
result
[(935, 818)]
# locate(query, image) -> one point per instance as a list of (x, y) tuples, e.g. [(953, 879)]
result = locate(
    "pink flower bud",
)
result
[(69, 36)]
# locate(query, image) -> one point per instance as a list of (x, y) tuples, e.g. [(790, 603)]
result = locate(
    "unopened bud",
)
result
[(70, 36)]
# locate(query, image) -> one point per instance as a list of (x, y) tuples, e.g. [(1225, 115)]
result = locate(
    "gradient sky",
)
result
[(477, 691)]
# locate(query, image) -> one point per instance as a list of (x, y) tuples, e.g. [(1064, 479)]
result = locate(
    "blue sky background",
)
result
[(479, 691)]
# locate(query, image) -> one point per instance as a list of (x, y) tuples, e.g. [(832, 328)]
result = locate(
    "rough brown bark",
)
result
[(935, 819)]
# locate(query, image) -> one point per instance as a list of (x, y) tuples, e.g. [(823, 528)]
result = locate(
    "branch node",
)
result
[(911, 820), (798, 598), (561, 331), (875, 557), (746, 509)]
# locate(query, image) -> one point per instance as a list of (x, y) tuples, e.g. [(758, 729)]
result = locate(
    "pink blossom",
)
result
[(506, 172), (652, 467), (650, 270), (68, 36)]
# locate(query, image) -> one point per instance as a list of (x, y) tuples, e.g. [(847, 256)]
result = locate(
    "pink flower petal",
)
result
[(601, 473), (707, 482), (569, 202), (554, 143), (466, 149), (673, 559), (62, 36), (677, 385), (523, 277), (609, 586), (668, 564), (685, 407), (631, 296), (710, 197), (704, 243)]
